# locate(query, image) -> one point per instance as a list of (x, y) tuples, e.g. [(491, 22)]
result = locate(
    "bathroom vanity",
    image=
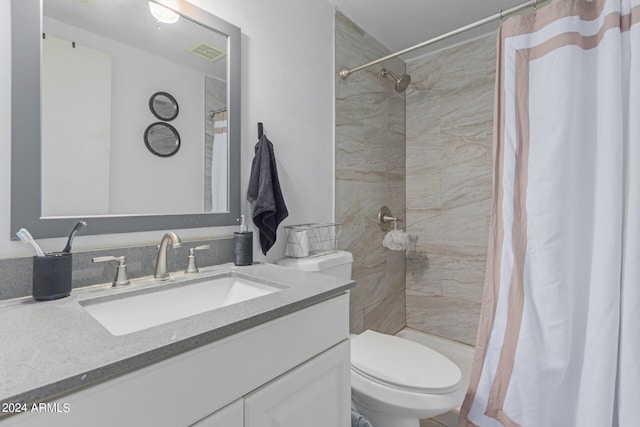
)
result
[(281, 358), (120, 357)]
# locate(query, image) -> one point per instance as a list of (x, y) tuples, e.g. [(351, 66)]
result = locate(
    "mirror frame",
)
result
[(26, 174)]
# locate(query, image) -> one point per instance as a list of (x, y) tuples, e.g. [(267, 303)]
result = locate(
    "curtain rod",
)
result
[(345, 72)]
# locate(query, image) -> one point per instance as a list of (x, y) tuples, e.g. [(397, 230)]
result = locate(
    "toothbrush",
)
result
[(79, 226), (26, 237)]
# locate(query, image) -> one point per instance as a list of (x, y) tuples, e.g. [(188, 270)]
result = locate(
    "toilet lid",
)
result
[(403, 364)]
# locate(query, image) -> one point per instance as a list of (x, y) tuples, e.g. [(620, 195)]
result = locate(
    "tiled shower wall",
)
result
[(449, 139), (370, 173)]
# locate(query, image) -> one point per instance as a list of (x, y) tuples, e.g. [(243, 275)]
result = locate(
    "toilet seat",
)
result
[(403, 364)]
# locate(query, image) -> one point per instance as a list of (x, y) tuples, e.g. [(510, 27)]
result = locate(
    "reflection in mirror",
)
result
[(163, 106), (76, 128), (143, 54), (162, 139), (100, 62), (216, 146)]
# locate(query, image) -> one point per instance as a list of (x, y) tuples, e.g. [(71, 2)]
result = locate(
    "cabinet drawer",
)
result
[(315, 394), (229, 416)]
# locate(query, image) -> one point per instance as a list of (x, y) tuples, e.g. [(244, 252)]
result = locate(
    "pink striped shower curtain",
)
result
[(558, 342)]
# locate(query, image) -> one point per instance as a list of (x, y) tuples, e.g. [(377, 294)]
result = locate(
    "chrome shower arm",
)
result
[(346, 72)]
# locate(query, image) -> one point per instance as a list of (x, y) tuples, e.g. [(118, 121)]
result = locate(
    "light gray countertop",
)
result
[(54, 347)]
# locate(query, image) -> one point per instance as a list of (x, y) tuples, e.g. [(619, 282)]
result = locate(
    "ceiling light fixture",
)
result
[(163, 14)]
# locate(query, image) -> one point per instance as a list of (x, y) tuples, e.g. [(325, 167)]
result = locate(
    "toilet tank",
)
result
[(336, 264)]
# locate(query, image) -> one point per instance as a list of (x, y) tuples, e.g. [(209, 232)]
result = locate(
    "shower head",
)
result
[(401, 83)]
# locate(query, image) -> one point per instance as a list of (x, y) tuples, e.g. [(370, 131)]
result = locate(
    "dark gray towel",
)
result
[(265, 195)]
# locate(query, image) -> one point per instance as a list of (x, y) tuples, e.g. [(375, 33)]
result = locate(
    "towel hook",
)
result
[(260, 132)]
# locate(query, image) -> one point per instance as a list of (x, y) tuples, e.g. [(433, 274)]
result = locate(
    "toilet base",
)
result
[(382, 419)]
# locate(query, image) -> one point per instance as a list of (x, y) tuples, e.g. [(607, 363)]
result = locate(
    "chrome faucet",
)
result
[(170, 238)]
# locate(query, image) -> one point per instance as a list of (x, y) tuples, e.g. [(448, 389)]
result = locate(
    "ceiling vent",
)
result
[(206, 51)]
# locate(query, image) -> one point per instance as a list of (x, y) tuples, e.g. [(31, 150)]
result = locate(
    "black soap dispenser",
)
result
[(243, 245)]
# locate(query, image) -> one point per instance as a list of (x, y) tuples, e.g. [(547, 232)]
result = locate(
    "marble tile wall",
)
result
[(448, 172), (370, 173)]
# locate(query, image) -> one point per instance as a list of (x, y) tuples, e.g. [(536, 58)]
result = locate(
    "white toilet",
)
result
[(394, 382)]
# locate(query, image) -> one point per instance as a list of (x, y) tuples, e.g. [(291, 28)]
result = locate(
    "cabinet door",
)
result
[(314, 394), (229, 416)]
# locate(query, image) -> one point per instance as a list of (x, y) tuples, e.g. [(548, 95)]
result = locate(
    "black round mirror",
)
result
[(162, 139), (163, 106)]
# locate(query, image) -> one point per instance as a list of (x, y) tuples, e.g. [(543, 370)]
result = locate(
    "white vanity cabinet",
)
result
[(314, 394), (229, 416), (290, 371)]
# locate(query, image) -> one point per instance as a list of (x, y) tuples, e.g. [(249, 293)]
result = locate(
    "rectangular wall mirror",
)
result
[(125, 114)]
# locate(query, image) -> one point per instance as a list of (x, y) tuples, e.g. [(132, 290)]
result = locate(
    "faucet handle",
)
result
[(122, 278), (171, 245), (191, 259)]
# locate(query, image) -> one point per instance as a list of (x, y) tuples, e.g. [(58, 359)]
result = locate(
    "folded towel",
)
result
[(265, 195), (358, 420)]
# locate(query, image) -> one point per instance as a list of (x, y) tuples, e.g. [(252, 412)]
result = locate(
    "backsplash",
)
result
[(16, 273)]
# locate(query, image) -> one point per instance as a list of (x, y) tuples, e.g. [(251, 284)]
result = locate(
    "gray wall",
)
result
[(449, 140), (370, 173)]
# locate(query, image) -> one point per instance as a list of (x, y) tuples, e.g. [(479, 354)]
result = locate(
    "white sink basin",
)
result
[(139, 311)]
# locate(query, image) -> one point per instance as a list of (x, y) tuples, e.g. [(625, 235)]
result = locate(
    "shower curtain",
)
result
[(217, 165), (558, 341)]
